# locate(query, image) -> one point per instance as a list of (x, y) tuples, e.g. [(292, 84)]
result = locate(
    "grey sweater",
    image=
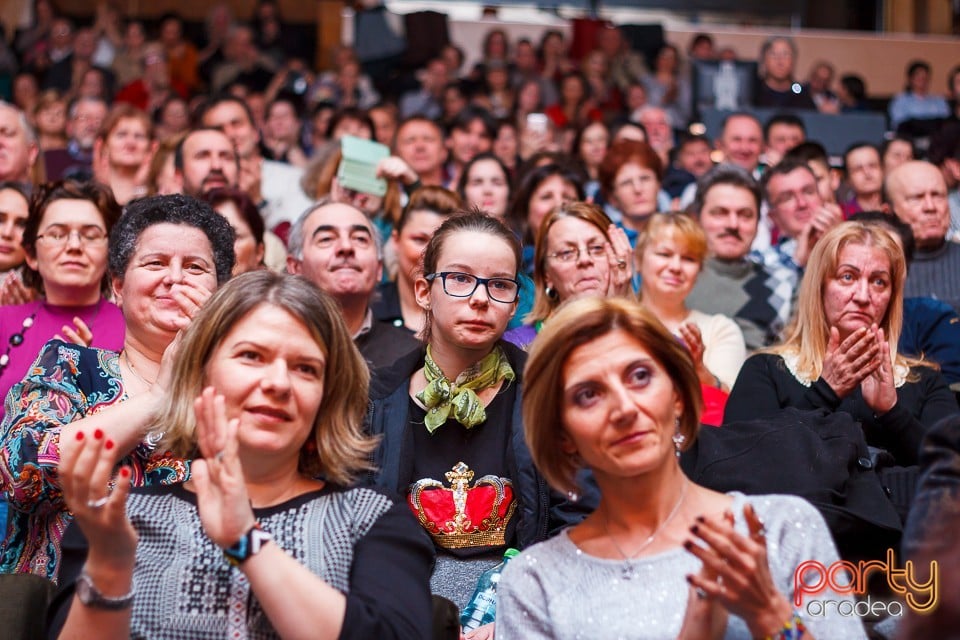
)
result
[(555, 590), (936, 274)]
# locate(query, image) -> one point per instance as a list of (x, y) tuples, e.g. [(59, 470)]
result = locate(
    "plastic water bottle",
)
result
[(482, 608)]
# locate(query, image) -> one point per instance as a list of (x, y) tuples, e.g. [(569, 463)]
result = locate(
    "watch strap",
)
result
[(90, 596), (248, 545)]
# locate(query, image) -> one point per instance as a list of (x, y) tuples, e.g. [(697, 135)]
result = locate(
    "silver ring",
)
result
[(762, 532), (218, 456), (622, 264), (96, 504), (701, 594)]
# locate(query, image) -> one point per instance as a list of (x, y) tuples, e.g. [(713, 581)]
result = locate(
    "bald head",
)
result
[(918, 195)]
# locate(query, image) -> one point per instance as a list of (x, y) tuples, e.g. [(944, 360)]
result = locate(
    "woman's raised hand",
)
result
[(736, 572), (705, 618), (80, 333), (222, 499), (694, 340), (620, 259), (191, 297), (847, 363), (13, 291), (100, 512), (878, 388)]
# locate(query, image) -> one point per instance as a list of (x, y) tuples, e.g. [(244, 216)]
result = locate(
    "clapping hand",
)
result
[(878, 388), (13, 291), (736, 572), (190, 296), (80, 333), (85, 472), (620, 260), (222, 499), (847, 363)]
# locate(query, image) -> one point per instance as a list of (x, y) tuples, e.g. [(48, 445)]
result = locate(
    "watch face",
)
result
[(83, 589), (89, 596)]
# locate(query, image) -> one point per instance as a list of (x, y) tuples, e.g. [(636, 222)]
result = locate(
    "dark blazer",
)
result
[(540, 513)]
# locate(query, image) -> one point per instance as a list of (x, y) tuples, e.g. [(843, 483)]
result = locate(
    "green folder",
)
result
[(358, 167)]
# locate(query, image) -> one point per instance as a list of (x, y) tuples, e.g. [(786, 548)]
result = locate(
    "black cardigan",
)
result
[(765, 386)]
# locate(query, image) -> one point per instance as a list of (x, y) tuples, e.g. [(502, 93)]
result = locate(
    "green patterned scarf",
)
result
[(440, 396)]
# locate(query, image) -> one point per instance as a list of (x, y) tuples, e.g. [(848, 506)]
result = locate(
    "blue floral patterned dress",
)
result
[(66, 383)]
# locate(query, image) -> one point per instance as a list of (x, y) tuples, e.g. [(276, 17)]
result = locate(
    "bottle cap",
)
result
[(509, 553)]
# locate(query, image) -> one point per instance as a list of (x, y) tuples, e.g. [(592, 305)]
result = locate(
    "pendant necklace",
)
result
[(627, 572)]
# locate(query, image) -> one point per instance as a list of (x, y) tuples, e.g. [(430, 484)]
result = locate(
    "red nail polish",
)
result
[(98, 434), (108, 444), (79, 435), (124, 472)]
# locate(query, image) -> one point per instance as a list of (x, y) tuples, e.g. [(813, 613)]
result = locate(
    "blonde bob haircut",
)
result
[(577, 323), (544, 305), (684, 229), (338, 448), (809, 333)]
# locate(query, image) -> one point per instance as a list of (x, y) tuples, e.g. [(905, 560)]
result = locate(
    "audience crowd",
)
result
[(264, 336)]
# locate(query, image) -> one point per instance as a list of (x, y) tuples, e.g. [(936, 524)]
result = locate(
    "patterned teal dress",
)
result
[(66, 383)]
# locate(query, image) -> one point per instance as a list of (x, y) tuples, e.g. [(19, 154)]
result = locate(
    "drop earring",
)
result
[(678, 438)]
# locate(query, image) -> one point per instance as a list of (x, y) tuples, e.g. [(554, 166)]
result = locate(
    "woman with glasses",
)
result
[(65, 242), (448, 416), (167, 254), (578, 252), (630, 176)]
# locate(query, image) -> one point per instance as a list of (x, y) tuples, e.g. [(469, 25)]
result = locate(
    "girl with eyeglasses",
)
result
[(65, 242), (448, 416)]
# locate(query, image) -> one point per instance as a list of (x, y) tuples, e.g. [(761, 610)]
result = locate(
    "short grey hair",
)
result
[(28, 131), (296, 237)]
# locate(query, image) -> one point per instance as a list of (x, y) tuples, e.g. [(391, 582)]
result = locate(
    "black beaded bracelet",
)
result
[(248, 545)]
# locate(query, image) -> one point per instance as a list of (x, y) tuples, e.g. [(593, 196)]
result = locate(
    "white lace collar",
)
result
[(900, 372)]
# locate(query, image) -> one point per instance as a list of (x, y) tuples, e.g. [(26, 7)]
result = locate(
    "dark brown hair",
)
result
[(99, 195), (469, 220)]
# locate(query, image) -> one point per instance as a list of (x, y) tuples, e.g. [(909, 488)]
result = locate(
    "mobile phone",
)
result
[(537, 122)]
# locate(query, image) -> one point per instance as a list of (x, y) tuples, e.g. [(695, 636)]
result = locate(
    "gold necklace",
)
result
[(133, 369), (628, 570)]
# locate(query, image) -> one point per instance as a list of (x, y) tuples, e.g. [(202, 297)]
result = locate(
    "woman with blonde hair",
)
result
[(841, 352), (578, 252), (610, 390), (670, 255), (267, 522)]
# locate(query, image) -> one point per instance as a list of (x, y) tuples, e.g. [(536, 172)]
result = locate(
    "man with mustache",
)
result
[(758, 297), (335, 246), (205, 160), (274, 186)]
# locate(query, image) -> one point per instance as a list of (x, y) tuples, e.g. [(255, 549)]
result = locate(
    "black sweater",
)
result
[(765, 386)]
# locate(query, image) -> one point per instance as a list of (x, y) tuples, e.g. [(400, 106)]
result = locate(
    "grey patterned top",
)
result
[(358, 540), (554, 590)]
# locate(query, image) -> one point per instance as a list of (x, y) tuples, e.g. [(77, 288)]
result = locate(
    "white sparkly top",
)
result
[(555, 590)]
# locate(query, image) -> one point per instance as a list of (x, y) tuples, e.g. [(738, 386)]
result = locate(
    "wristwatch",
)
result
[(90, 596)]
